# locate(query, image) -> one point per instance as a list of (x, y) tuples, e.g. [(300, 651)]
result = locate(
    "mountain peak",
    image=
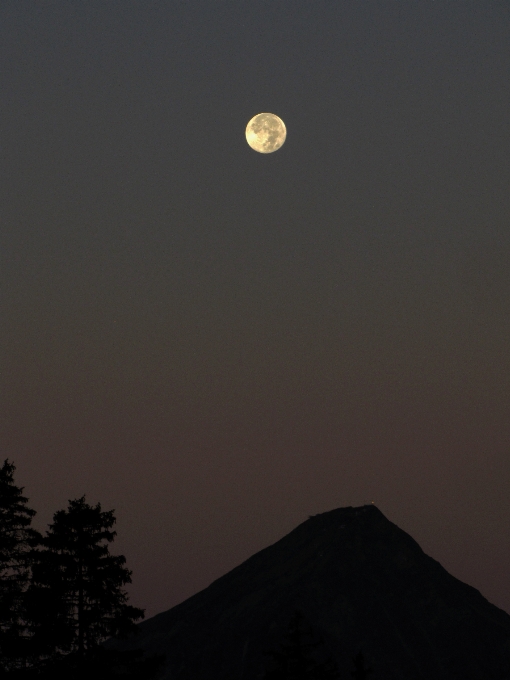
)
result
[(361, 583)]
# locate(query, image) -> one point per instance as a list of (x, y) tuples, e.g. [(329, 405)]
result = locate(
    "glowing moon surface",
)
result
[(266, 132)]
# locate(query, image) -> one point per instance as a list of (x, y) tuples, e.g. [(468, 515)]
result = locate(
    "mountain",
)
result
[(361, 583)]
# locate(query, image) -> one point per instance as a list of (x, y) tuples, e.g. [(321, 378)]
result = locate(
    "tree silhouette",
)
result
[(360, 672), (16, 540), (76, 600), (294, 659)]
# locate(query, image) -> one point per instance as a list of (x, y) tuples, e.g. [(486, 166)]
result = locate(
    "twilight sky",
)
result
[(218, 343)]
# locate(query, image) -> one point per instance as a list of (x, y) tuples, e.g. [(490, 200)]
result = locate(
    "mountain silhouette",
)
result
[(361, 584)]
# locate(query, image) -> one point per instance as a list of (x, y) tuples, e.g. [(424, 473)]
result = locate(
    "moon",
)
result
[(266, 132)]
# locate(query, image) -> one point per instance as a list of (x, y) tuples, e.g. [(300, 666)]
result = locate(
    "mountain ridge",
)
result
[(361, 582)]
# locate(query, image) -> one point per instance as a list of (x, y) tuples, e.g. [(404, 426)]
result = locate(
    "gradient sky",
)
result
[(218, 343)]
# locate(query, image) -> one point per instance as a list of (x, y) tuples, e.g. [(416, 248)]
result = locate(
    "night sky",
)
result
[(218, 343)]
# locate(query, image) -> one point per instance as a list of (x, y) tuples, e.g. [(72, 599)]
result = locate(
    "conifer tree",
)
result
[(294, 660), (360, 672), (16, 540), (76, 599)]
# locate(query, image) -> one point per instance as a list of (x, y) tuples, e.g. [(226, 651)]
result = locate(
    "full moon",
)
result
[(266, 132)]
